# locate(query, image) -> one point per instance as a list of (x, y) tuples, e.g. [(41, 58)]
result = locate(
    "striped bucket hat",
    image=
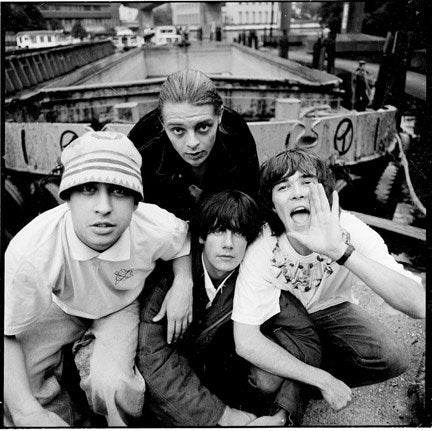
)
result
[(103, 157)]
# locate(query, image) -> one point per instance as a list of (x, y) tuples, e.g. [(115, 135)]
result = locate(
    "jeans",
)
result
[(113, 386), (356, 348)]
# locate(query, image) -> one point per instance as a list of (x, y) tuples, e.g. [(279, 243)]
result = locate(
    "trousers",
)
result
[(355, 348), (112, 384)]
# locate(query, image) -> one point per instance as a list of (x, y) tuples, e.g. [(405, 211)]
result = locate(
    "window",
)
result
[(253, 17), (246, 17), (240, 17)]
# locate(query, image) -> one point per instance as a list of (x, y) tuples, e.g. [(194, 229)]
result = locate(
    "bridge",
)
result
[(26, 69)]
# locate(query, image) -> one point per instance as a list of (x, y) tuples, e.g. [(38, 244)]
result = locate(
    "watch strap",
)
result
[(346, 255)]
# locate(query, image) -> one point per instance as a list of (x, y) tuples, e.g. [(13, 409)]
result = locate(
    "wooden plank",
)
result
[(389, 225)]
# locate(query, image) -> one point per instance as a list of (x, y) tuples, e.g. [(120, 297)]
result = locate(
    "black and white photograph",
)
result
[(213, 214)]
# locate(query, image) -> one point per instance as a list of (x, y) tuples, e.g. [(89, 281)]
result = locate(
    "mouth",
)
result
[(195, 156), (225, 257), (300, 215), (103, 228)]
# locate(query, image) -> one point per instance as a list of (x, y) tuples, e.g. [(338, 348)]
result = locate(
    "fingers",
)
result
[(177, 328), (161, 313), (170, 331), (335, 205)]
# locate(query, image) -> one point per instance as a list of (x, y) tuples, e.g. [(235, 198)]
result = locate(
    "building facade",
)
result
[(246, 12), (95, 17)]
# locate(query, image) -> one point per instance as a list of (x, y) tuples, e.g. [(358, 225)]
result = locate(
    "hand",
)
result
[(325, 234), (277, 420), (177, 306), (40, 418), (233, 417), (336, 393)]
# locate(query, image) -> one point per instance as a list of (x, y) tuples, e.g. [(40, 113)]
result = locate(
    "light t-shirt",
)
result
[(47, 262), (271, 264)]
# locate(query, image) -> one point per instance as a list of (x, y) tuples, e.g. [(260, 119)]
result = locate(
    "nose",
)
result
[(299, 191), (103, 202), (228, 239), (192, 141)]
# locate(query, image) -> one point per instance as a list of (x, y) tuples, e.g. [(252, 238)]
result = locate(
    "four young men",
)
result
[(76, 271)]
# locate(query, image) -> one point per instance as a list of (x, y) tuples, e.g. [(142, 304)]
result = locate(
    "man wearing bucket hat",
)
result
[(79, 269)]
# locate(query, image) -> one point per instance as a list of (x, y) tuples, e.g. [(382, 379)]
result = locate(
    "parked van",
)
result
[(43, 38), (128, 41), (165, 34)]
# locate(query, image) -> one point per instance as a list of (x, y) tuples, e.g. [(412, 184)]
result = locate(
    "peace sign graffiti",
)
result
[(344, 136)]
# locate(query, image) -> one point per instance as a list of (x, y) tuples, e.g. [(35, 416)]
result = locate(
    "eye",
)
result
[(119, 191), (87, 188), (178, 131), (281, 187), (203, 128)]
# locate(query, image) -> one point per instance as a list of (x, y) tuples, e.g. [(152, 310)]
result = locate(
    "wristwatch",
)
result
[(346, 255)]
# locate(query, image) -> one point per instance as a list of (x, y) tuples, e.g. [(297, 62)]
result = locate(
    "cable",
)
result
[(405, 165)]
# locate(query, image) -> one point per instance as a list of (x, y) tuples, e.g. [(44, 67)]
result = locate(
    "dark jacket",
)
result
[(175, 374), (232, 163)]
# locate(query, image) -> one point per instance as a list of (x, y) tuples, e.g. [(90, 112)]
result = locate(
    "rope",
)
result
[(405, 165)]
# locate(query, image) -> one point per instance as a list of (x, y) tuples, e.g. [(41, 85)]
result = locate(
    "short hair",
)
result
[(190, 86), (282, 166), (228, 210)]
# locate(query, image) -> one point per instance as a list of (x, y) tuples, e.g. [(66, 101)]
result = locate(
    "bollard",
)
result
[(287, 109)]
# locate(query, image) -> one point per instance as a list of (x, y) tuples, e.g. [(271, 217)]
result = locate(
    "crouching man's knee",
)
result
[(395, 357), (266, 382), (111, 390)]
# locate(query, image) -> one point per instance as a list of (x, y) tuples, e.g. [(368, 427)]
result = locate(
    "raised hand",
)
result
[(325, 233)]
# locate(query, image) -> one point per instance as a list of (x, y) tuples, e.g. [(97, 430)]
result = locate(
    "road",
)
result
[(415, 82)]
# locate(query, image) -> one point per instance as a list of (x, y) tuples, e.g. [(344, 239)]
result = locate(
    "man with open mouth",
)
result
[(303, 266)]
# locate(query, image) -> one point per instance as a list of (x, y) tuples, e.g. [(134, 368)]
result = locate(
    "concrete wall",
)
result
[(209, 58), (129, 67), (346, 136), (256, 64)]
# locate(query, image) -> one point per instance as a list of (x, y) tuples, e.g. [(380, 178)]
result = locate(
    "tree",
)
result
[(384, 16), (162, 15), (331, 15), (22, 16), (55, 24), (78, 31)]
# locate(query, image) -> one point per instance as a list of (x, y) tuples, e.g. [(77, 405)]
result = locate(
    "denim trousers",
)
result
[(110, 380), (355, 348)]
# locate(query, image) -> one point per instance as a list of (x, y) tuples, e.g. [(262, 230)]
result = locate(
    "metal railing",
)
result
[(28, 69)]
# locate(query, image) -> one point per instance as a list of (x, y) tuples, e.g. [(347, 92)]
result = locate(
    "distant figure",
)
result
[(218, 32), (361, 91), (213, 31), (283, 45), (318, 45), (200, 34), (330, 48), (254, 39)]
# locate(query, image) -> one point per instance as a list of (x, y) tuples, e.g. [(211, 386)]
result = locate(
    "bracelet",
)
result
[(346, 255)]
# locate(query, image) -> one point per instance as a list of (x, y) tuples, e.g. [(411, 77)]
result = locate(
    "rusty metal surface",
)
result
[(346, 137), (36, 147)]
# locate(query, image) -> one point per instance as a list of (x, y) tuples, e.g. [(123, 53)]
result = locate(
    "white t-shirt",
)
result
[(47, 262), (271, 264)]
